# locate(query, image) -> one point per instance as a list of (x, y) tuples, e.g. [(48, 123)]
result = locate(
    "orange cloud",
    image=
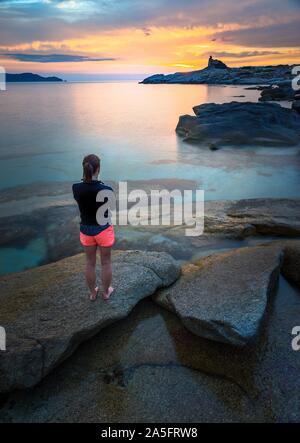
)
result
[(155, 49)]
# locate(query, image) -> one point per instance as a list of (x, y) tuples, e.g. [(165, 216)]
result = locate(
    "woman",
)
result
[(93, 235)]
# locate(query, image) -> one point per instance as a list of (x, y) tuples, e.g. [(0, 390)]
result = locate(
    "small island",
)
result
[(30, 77)]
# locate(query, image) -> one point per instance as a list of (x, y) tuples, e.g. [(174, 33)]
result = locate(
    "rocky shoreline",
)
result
[(227, 224), (217, 73), (218, 327), (240, 124), (232, 298), (46, 313), (198, 329)]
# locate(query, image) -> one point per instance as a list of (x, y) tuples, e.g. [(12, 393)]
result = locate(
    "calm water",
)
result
[(47, 128)]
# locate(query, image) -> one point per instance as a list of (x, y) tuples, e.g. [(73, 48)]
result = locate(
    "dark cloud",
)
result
[(243, 54), (53, 58), (29, 20), (278, 35), (146, 31)]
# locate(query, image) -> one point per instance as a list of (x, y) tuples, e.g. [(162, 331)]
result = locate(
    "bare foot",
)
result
[(94, 294), (107, 294)]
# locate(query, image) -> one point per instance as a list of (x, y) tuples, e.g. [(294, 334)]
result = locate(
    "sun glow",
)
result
[(155, 49)]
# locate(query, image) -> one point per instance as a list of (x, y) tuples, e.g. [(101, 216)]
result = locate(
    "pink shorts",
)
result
[(106, 238)]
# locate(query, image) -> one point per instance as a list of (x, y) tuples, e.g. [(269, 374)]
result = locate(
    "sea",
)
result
[(47, 128)]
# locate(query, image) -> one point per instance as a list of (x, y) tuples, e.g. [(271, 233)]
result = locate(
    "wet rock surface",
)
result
[(227, 224), (254, 216), (241, 123), (46, 312)]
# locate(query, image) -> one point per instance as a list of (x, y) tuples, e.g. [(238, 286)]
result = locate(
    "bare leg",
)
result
[(106, 271), (90, 270)]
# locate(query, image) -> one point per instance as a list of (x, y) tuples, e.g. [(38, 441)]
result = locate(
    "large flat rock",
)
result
[(47, 314), (241, 123), (149, 367), (224, 297), (260, 216)]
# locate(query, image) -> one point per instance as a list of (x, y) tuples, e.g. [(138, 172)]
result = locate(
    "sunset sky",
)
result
[(123, 38)]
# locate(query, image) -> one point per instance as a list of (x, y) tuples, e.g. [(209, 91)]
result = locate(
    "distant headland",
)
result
[(29, 77), (218, 72)]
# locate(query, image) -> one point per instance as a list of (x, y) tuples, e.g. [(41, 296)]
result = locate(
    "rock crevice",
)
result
[(224, 297)]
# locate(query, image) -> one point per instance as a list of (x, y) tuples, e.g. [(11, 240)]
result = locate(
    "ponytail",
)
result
[(90, 165), (87, 171)]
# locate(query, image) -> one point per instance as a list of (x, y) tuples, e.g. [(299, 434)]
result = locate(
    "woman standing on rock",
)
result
[(92, 234)]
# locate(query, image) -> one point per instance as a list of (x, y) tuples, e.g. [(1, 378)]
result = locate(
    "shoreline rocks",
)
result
[(251, 217), (296, 103), (283, 91), (151, 352), (224, 297), (218, 73), (46, 312), (225, 221), (216, 64), (241, 123)]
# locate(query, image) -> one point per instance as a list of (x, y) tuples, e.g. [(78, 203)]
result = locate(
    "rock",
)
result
[(218, 73), (296, 105), (159, 242), (161, 297), (149, 365), (241, 123), (226, 297), (213, 146), (57, 227), (291, 263), (258, 87), (46, 312), (149, 362), (256, 216), (157, 78), (215, 64), (251, 217), (282, 91)]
